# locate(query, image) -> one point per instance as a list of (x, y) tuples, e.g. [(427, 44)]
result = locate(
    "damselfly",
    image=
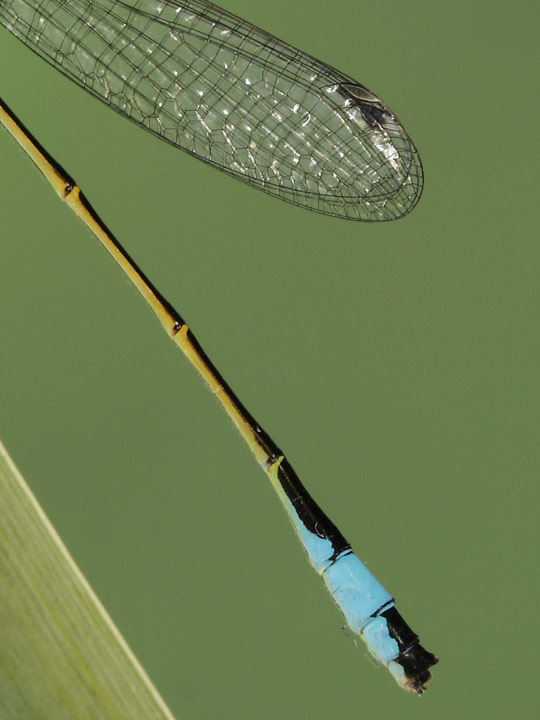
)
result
[(279, 120)]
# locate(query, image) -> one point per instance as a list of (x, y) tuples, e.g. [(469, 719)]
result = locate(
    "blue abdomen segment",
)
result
[(363, 600), (368, 608), (357, 593)]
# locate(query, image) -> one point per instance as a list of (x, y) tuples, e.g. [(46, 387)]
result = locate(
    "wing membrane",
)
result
[(235, 97)]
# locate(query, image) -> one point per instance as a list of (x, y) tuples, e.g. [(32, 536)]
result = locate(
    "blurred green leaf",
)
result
[(61, 656)]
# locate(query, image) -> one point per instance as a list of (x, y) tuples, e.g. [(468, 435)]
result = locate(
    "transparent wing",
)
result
[(233, 96)]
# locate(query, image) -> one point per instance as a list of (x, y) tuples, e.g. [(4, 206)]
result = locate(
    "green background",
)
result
[(396, 364)]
